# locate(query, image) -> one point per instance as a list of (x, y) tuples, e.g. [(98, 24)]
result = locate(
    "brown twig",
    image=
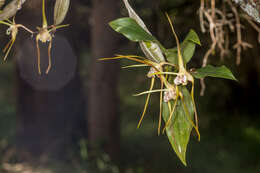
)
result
[(218, 22), (253, 24), (201, 10), (240, 44)]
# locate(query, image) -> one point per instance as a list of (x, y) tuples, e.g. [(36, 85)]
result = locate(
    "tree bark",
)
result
[(103, 96)]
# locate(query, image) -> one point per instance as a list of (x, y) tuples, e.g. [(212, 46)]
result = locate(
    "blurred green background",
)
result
[(228, 112)]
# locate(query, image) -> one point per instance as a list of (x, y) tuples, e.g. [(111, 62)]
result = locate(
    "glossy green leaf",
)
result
[(179, 129), (172, 56), (193, 37), (211, 71), (60, 10), (153, 52), (187, 48), (133, 15), (130, 29), (134, 32)]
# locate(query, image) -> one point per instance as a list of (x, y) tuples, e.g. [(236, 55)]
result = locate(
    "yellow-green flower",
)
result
[(12, 31), (45, 34)]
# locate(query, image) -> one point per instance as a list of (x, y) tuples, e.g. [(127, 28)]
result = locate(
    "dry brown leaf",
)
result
[(60, 10)]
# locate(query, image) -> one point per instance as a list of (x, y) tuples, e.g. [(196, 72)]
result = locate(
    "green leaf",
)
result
[(187, 48), (193, 37), (154, 54), (209, 70), (135, 32), (172, 56), (134, 16), (179, 129), (131, 29)]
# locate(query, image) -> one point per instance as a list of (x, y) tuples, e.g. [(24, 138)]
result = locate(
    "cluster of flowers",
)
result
[(43, 34), (169, 91)]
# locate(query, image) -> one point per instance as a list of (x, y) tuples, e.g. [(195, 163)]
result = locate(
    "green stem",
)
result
[(44, 19), (5, 23)]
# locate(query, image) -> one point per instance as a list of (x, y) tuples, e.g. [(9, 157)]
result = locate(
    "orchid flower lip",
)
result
[(9, 30), (181, 79), (169, 94)]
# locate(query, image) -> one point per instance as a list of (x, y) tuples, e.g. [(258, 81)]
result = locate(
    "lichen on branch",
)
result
[(251, 7)]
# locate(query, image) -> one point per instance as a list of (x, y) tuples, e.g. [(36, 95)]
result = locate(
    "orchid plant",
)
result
[(44, 33), (177, 104), (167, 66)]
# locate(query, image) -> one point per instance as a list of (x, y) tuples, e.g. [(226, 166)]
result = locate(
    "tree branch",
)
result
[(251, 7)]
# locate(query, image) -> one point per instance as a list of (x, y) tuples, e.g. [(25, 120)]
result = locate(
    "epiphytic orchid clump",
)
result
[(44, 34), (168, 66)]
